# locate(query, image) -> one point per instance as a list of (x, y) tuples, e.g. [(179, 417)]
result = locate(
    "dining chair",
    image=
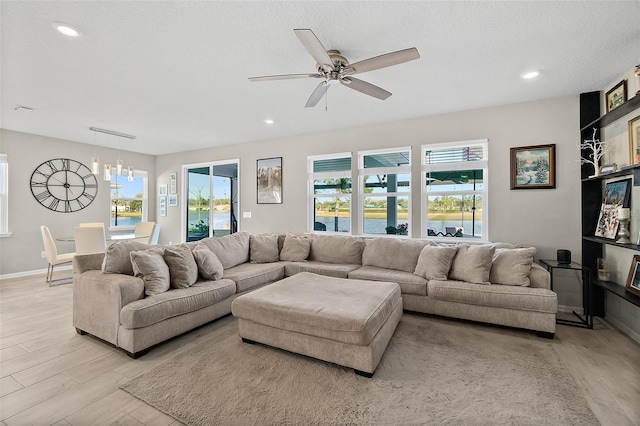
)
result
[(143, 232), (92, 224), (53, 257), (89, 239), (155, 234)]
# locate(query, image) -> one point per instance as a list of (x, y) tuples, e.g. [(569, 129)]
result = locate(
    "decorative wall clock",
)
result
[(63, 185)]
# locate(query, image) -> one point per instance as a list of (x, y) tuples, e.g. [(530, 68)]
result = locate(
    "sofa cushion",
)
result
[(472, 264), (182, 266), (231, 249), (151, 267), (512, 266), (295, 248), (434, 262), (409, 283), (117, 259), (338, 270), (153, 309), (336, 249), (250, 275), (209, 265), (392, 253), (263, 248), (322, 306), (498, 296)]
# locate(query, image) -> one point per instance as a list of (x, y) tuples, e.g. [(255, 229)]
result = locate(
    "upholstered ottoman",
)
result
[(343, 321)]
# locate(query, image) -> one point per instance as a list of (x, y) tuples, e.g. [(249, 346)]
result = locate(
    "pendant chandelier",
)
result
[(95, 161)]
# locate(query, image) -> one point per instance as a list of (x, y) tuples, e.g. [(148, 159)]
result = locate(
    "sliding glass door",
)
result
[(212, 199)]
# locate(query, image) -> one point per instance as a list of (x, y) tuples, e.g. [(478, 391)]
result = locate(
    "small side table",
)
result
[(585, 321)]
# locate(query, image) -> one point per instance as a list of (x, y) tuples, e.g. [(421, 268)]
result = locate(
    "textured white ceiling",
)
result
[(175, 73)]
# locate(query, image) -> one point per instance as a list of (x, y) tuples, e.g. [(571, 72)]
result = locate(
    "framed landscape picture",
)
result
[(616, 96), (633, 279), (533, 167), (269, 185)]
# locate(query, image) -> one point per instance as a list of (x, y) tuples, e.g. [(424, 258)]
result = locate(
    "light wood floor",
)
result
[(50, 375)]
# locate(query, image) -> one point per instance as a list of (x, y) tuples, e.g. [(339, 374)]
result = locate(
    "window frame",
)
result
[(460, 165), (362, 172), (145, 199), (311, 195), (4, 196)]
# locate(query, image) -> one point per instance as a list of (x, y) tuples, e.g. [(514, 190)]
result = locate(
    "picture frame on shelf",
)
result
[(533, 167), (633, 279), (616, 96), (269, 180), (609, 168), (616, 194), (634, 141)]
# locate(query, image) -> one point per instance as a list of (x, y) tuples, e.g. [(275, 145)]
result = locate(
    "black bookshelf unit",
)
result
[(593, 247)]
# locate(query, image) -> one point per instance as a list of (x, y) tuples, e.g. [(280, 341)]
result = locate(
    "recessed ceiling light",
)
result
[(66, 29), (530, 74), (269, 121)]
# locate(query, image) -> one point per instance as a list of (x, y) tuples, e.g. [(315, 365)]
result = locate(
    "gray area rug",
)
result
[(431, 373)]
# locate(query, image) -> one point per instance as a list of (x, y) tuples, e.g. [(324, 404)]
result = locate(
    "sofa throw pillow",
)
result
[(295, 248), (208, 263), (434, 262), (336, 249), (472, 264), (381, 252), (263, 248), (117, 259), (512, 266), (182, 266), (151, 267), (231, 250)]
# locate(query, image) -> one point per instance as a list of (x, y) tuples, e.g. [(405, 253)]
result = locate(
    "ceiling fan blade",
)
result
[(314, 47), (382, 61), (317, 94), (366, 88), (284, 77)]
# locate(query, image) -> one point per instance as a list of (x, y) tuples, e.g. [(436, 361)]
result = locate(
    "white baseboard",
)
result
[(35, 272), (616, 323)]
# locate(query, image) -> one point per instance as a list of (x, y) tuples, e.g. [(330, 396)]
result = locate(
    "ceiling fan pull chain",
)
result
[(326, 101)]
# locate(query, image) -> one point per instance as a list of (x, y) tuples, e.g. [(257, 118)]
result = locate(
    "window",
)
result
[(455, 194), (385, 191), (330, 192), (129, 200), (4, 196)]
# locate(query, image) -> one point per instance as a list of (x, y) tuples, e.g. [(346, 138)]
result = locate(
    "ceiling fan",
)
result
[(334, 68)]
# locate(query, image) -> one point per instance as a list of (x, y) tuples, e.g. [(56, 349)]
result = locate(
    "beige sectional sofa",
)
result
[(135, 296)]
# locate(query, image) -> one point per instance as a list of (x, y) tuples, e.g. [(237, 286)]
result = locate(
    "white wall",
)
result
[(547, 219), (21, 251)]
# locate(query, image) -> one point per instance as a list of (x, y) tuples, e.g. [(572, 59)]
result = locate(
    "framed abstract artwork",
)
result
[(269, 185)]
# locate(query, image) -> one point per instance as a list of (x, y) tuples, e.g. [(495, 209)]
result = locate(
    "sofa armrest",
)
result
[(539, 277), (98, 299), (87, 262)]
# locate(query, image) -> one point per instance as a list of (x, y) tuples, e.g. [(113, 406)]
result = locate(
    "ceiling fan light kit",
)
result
[(334, 68)]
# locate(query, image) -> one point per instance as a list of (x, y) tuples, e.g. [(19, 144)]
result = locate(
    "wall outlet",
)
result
[(246, 215), (43, 254)]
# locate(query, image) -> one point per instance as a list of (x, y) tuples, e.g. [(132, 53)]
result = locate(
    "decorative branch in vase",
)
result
[(598, 149)]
